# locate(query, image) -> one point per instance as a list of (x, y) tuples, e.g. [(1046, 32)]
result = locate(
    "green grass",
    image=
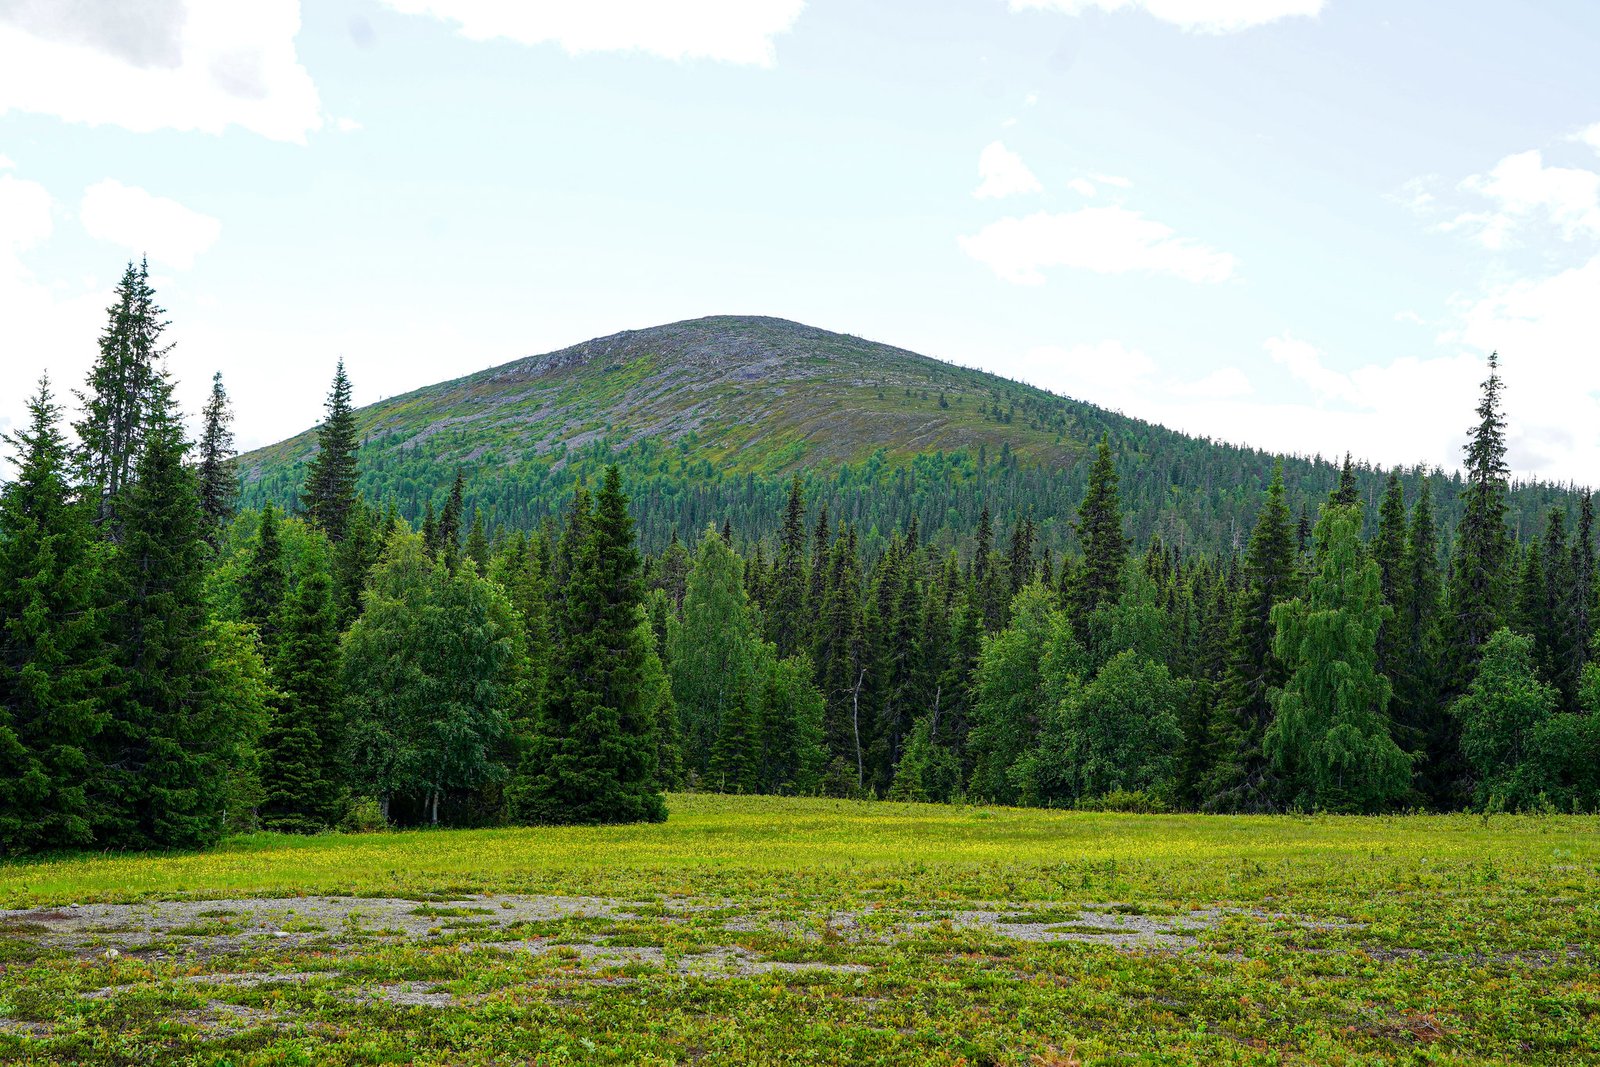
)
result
[(1430, 939)]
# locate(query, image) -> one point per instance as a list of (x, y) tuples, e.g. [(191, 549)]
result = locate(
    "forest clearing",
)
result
[(778, 930)]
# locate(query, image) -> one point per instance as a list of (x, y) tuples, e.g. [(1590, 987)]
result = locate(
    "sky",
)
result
[(1296, 224)]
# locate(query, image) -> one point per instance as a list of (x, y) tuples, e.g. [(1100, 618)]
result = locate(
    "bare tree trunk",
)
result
[(855, 727), (933, 727), (383, 806), (435, 805)]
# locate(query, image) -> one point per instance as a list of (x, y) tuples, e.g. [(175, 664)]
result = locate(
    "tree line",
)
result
[(174, 668)]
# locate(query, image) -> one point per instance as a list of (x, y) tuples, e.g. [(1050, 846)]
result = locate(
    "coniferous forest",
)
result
[(174, 668)]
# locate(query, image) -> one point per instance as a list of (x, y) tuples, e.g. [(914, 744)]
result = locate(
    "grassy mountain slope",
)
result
[(747, 394), (709, 417)]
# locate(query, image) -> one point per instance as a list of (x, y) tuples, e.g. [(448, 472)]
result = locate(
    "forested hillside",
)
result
[(174, 667), (708, 419)]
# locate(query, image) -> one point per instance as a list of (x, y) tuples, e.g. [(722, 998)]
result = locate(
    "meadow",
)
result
[(768, 930)]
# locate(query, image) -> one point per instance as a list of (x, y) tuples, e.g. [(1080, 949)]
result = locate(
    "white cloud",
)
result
[(1112, 179), (128, 216), (1001, 172), (1107, 240), (24, 215), (1082, 186), (7, 163), (1089, 370), (160, 64), (1590, 136), (732, 31), (1201, 16), (346, 125), (44, 327), (1221, 384), (1523, 189), (1304, 362), (1545, 330)]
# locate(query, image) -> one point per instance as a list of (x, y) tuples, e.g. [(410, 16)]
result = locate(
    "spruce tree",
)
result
[(53, 662), (982, 549), (1479, 569), (1241, 776), (330, 489), (301, 764), (1019, 563), (1105, 547), (786, 613), (1565, 648), (1421, 726), (165, 755), (841, 660), (791, 711), (124, 390), (595, 748), (674, 572), (219, 473), (956, 681), (354, 558), (476, 550), (1531, 602), (1346, 493), (449, 534), (429, 530), (1572, 606), (1389, 552), (1330, 739), (265, 580)]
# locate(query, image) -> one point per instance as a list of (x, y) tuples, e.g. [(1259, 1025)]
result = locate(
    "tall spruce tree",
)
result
[(1105, 547), (476, 550), (301, 752), (330, 489), (595, 748), (841, 660), (354, 558), (219, 472), (53, 661), (791, 710), (1531, 602), (786, 611), (1479, 569), (1573, 602), (166, 753), (265, 580), (450, 523), (1389, 552), (1241, 777), (124, 389), (1347, 492), (1421, 726)]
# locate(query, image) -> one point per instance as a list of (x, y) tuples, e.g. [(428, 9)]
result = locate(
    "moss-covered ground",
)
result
[(775, 931)]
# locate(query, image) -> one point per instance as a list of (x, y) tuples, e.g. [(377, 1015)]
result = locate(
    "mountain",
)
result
[(709, 418)]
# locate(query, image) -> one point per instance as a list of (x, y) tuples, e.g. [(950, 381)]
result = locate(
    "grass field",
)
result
[(811, 931)]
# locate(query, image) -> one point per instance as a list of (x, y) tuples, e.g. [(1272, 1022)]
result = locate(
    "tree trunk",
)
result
[(855, 728)]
